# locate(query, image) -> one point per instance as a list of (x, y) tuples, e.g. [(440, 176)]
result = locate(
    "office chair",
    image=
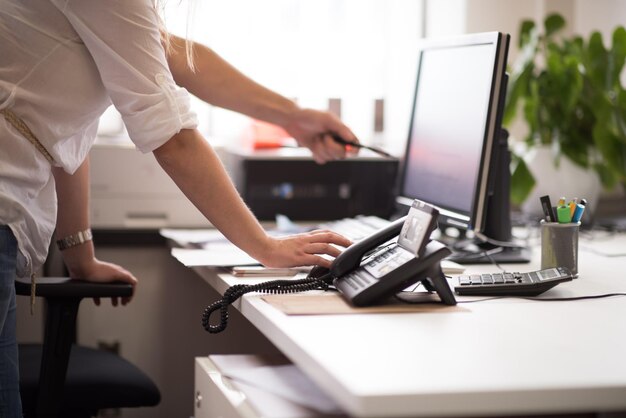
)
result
[(61, 379)]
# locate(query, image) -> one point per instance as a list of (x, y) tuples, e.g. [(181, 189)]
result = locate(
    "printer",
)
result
[(129, 190), (288, 181)]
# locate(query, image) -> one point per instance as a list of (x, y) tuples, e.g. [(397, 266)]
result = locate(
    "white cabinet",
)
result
[(217, 395)]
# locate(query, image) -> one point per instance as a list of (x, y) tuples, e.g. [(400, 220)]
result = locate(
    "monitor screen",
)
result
[(453, 125)]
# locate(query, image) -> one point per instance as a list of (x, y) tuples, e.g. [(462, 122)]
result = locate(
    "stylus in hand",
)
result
[(342, 141)]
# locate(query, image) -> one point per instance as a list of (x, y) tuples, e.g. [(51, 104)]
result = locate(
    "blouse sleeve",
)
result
[(123, 38)]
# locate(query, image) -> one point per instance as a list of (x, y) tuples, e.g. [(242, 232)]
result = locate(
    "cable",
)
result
[(507, 244), (274, 286), (478, 254), (606, 295), (493, 261)]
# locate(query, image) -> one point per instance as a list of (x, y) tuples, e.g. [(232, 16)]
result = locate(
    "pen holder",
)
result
[(559, 245)]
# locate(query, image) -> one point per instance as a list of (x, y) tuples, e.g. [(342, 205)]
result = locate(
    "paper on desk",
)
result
[(450, 267), (269, 405), (202, 237), (286, 381), (333, 304), (193, 236), (214, 256)]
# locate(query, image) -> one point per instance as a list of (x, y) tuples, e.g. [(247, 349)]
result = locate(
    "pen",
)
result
[(572, 206), (580, 208), (342, 141), (547, 208), (563, 212)]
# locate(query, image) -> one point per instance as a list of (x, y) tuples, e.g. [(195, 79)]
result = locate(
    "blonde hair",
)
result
[(166, 38)]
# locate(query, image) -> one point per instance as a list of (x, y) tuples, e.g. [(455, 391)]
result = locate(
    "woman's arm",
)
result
[(217, 82), (193, 165), (72, 217)]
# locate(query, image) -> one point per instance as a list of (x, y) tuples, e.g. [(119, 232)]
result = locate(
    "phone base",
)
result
[(435, 281), (361, 290)]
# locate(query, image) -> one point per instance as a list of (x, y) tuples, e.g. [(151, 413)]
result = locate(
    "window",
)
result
[(312, 51)]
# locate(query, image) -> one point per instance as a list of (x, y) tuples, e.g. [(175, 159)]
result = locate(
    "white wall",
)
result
[(602, 15), (452, 17)]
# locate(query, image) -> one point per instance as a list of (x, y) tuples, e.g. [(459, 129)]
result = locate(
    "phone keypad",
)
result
[(387, 261), (381, 263)]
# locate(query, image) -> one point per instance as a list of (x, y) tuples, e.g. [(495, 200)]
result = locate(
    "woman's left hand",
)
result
[(313, 128), (102, 272)]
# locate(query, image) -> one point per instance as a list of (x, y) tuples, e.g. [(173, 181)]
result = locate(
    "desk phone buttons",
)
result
[(512, 284)]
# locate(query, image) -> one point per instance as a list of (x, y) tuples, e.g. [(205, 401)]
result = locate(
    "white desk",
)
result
[(507, 356)]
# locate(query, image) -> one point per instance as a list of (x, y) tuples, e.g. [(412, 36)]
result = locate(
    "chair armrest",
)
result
[(64, 287)]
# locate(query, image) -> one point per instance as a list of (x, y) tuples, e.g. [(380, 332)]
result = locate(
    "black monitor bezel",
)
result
[(474, 219)]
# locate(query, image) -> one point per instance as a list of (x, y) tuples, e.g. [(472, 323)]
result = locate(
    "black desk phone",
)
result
[(370, 270), (390, 268)]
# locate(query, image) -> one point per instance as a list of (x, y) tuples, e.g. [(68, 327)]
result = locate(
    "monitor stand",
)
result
[(499, 255), (497, 217)]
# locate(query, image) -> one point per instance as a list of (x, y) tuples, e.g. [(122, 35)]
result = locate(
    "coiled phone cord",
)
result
[(274, 286)]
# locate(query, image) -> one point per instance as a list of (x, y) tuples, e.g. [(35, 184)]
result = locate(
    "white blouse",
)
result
[(62, 63)]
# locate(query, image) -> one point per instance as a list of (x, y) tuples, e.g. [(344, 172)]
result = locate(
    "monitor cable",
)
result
[(565, 299), (506, 244)]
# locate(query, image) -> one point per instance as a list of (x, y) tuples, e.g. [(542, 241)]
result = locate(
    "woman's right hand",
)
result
[(302, 249)]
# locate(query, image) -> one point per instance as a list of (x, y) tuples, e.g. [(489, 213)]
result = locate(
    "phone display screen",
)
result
[(417, 227)]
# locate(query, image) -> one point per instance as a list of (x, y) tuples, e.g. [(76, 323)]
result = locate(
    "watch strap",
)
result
[(75, 239)]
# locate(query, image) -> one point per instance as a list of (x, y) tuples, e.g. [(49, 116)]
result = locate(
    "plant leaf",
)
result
[(608, 144), (517, 89), (618, 54), (553, 23), (522, 182), (596, 62), (525, 32), (620, 117), (607, 177)]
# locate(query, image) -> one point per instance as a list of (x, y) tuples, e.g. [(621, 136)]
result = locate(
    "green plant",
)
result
[(572, 100)]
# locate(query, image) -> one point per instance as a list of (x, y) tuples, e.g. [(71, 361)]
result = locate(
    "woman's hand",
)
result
[(303, 249), (312, 129), (102, 272)]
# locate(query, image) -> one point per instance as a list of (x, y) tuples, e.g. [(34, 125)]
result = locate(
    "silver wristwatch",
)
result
[(75, 239)]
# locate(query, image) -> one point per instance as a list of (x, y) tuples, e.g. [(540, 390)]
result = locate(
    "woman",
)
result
[(62, 62)]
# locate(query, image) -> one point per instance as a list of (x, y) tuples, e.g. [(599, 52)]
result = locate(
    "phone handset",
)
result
[(351, 257)]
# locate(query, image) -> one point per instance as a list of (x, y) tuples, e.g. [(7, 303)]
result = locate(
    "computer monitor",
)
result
[(455, 153)]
